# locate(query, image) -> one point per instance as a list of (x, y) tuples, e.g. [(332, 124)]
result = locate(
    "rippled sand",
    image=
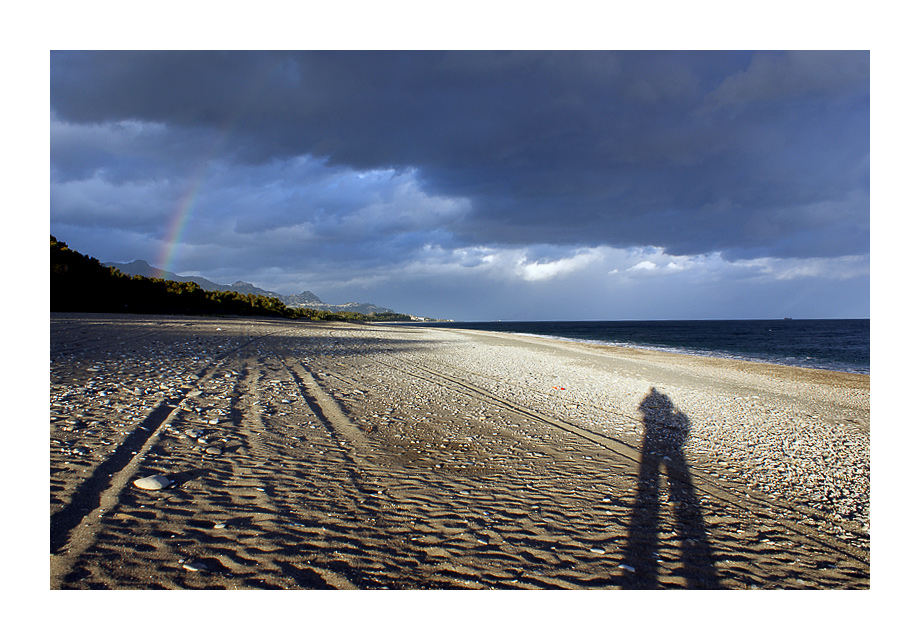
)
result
[(367, 456)]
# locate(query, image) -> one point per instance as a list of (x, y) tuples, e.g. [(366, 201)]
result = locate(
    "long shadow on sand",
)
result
[(666, 430)]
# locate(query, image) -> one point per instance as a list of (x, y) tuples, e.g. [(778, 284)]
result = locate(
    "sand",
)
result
[(344, 456)]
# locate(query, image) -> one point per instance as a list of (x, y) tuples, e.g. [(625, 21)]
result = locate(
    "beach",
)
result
[(302, 455)]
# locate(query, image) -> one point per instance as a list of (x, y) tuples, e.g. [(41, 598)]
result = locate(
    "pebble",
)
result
[(214, 451), (627, 568), (195, 566), (153, 483), (597, 550)]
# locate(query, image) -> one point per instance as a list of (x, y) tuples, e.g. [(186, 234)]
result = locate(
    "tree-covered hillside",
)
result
[(82, 283)]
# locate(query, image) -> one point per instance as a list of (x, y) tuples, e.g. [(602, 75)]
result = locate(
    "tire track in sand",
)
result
[(74, 527), (747, 499), (273, 532)]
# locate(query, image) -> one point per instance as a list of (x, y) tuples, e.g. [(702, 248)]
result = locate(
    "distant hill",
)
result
[(82, 283), (305, 299), (141, 268)]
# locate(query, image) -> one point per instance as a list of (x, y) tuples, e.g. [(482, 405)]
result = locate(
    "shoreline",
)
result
[(726, 359), (689, 351), (384, 456)]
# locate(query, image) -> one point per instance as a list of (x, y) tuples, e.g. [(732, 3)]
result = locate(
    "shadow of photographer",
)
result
[(666, 430)]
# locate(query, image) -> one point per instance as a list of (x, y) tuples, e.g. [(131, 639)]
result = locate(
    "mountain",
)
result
[(141, 268), (299, 300), (245, 287), (302, 299)]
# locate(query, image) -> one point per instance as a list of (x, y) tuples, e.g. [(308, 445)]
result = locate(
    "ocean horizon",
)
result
[(829, 344)]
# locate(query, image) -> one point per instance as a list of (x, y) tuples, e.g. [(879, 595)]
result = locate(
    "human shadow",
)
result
[(666, 430)]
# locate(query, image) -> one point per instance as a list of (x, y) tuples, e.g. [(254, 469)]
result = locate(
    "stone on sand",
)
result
[(153, 483)]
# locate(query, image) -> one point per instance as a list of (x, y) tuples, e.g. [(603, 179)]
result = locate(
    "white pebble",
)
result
[(153, 483)]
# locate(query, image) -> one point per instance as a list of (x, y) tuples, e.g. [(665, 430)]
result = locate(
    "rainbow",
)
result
[(179, 218), (182, 213)]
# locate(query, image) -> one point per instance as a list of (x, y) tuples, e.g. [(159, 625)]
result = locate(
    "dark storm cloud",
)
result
[(750, 154)]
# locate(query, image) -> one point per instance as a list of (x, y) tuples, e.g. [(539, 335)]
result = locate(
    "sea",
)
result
[(835, 345)]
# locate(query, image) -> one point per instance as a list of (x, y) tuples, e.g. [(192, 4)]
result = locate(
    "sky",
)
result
[(478, 185)]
